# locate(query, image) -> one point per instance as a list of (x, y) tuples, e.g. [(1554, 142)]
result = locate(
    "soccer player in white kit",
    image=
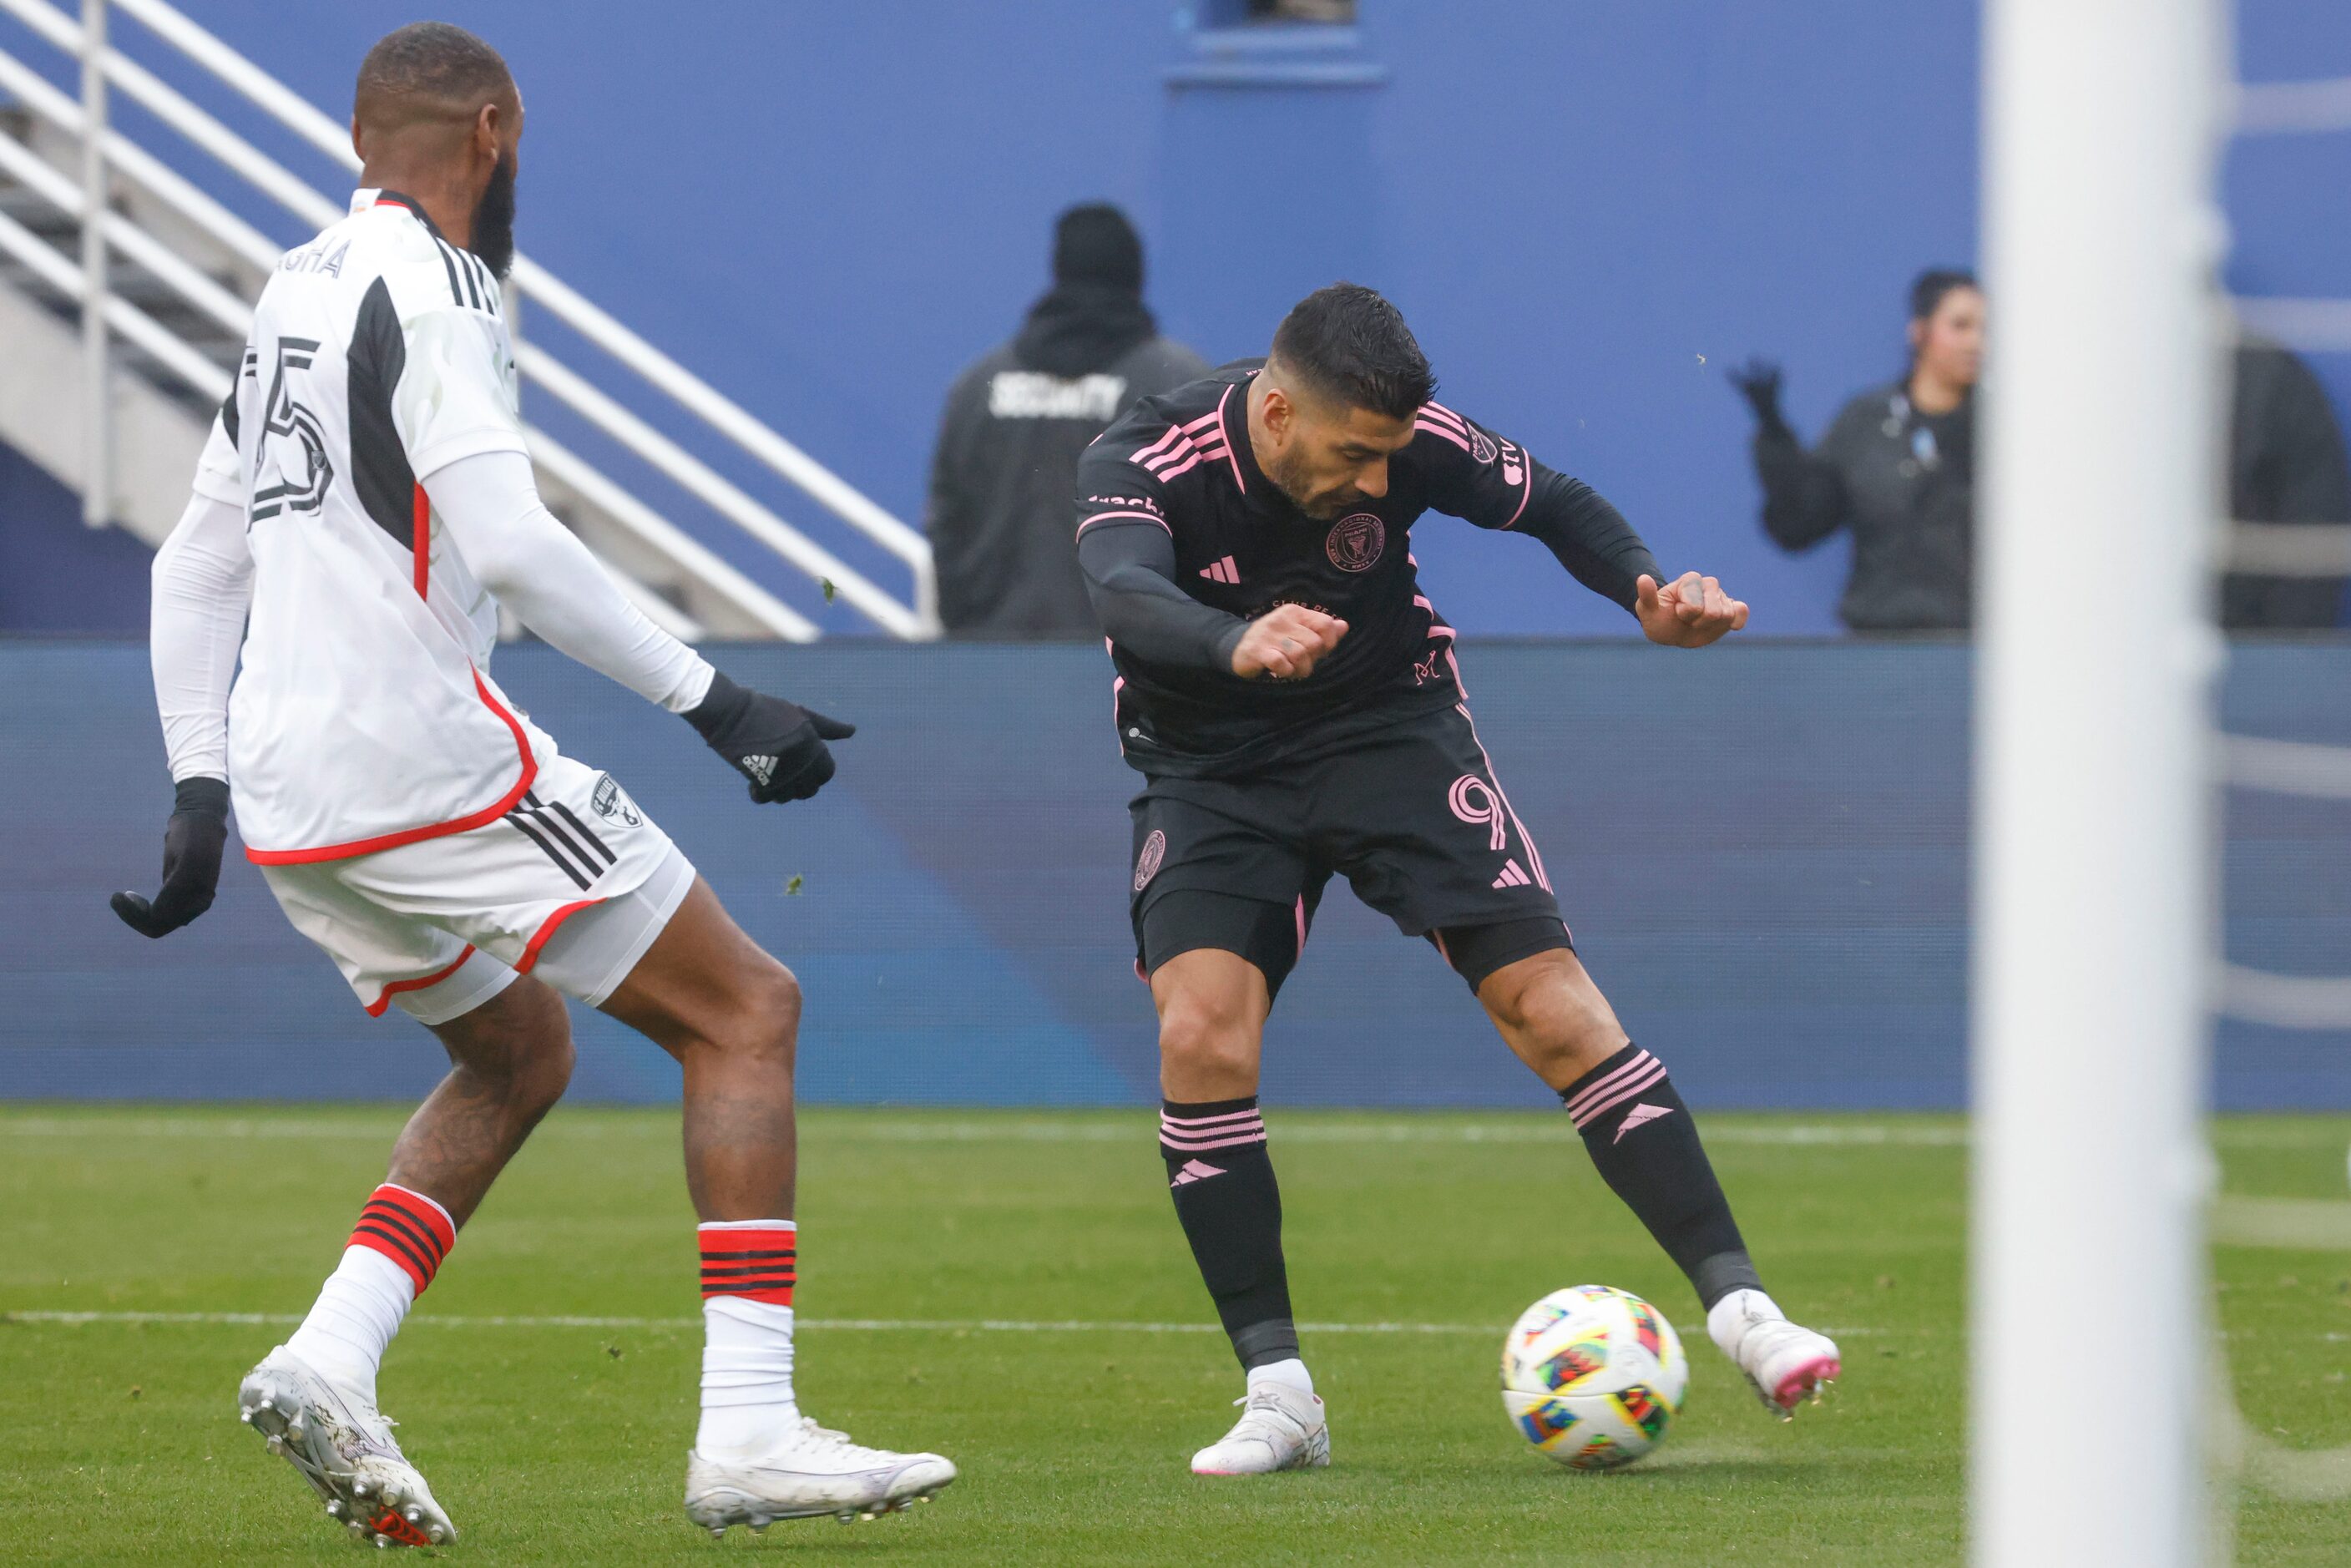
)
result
[(366, 500)]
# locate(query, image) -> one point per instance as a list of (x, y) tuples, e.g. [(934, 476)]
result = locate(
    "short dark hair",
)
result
[(425, 70), (1350, 346), (1929, 287)]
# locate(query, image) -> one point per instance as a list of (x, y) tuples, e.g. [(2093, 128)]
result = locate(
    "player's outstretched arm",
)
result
[(1503, 487), (1689, 612), (1494, 483), (490, 507), (201, 587)]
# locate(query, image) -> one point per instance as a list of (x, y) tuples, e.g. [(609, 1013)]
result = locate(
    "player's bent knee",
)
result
[(1205, 1035), (519, 1043), (1552, 1015), (762, 1018), (1521, 997), (547, 1072), (535, 1073), (781, 999)]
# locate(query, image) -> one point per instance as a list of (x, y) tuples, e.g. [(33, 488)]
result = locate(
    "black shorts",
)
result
[(1411, 815)]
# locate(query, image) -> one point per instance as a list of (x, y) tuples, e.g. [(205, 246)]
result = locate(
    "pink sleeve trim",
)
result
[(1526, 493), (1139, 516), (1166, 443), (1433, 428), (1230, 455)]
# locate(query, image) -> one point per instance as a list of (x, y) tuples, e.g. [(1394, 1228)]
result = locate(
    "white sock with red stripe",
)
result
[(749, 1269), (394, 1254)]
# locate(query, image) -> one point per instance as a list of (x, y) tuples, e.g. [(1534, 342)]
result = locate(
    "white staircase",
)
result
[(173, 272)]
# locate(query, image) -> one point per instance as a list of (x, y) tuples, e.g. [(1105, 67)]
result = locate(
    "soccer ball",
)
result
[(1593, 1376)]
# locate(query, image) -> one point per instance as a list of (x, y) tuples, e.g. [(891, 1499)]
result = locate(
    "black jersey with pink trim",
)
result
[(1182, 462)]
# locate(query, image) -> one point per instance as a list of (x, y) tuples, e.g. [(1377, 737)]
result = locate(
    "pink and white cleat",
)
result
[(1784, 1363)]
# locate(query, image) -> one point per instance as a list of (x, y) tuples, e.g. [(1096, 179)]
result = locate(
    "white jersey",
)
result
[(364, 717)]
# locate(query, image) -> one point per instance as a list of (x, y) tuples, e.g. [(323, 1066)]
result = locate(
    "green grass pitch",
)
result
[(946, 1256)]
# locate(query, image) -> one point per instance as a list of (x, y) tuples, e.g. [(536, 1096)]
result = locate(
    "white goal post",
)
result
[(2094, 810)]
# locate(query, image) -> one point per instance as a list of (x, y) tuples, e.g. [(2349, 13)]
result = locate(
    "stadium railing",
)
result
[(2300, 769), (2290, 768), (747, 607)]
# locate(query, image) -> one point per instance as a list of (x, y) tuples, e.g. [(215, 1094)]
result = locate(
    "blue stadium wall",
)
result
[(1761, 850), (1589, 209)]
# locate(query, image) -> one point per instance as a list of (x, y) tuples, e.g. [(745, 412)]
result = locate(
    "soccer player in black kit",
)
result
[(1292, 701)]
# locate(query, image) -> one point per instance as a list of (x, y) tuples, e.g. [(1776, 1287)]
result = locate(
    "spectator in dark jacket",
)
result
[(1008, 455), (2286, 470), (1897, 468)]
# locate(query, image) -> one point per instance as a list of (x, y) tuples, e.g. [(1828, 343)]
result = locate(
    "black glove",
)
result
[(191, 857), (1758, 382), (777, 746)]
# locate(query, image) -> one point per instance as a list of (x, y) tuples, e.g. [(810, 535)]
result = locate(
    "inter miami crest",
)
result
[(1355, 542), (1147, 864)]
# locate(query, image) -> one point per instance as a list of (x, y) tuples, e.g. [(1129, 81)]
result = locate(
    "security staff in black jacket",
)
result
[(1017, 421), (1897, 468)]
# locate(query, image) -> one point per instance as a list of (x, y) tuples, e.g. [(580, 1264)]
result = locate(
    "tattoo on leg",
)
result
[(460, 1138), (511, 1061)]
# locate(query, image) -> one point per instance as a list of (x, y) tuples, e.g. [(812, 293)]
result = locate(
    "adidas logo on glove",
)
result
[(777, 746)]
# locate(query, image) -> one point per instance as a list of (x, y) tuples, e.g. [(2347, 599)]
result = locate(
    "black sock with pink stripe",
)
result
[(1641, 1136), (1222, 1180)]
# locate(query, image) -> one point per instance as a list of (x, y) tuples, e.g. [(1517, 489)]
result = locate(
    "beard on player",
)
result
[(493, 220), (1293, 475)]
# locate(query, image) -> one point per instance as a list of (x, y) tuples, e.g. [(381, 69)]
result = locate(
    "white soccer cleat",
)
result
[(1280, 1428), (343, 1447), (811, 1471), (1785, 1364)]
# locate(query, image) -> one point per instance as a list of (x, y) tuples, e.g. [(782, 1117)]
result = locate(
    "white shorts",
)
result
[(572, 884)]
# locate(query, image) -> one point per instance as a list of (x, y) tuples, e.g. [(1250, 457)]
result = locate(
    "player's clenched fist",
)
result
[(1286, 642), (1689, 612)]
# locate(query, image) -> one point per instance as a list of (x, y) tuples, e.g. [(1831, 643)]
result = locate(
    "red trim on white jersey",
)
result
[(546, 929), (464, 824), (384, 999), (420, 541)]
